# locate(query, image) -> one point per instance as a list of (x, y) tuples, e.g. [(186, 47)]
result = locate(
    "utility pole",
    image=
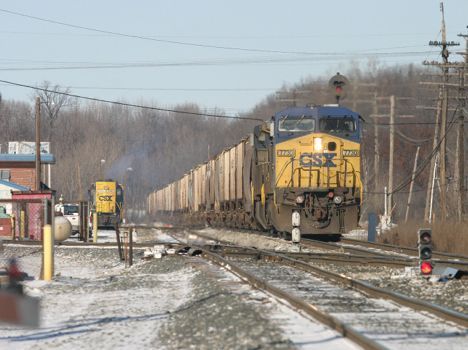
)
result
[(460, 136), (38, 143), (443, 121), (432, 172), (413, 176), (391, 152), (444, 110), (375, 111)]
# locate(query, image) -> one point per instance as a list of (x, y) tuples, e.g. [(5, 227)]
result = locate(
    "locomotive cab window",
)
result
[(296, 124), (338, 125)]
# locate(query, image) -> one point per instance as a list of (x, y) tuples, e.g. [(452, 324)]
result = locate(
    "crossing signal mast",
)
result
[(337, 84), (425, 251)]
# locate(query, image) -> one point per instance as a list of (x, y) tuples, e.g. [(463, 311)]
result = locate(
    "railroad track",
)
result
[(347, 305), (363, 248), (290, 277), (402, 250)]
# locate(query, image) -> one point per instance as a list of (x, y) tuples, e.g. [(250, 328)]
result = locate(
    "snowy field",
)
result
[(177, 302)]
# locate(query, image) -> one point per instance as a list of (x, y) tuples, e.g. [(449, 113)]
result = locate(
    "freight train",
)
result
[(298, 174), (106, 200)]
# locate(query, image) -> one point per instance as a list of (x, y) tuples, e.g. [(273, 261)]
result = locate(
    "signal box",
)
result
[(425, 251)]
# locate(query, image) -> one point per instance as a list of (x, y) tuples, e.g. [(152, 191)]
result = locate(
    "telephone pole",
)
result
[(444, 110), (38, 143), (391, 152), (460, 135)]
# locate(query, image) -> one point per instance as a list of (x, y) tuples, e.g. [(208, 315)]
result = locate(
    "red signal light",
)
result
[(426, 268)]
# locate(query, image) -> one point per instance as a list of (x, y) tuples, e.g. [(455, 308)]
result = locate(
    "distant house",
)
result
[(20, 169), (6, 187)]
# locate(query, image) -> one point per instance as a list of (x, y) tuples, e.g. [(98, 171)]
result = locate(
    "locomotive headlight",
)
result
[(300, 199), (338, 199), (318, 146)]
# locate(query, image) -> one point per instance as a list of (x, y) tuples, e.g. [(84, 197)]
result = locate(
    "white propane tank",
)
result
[(63, 228)]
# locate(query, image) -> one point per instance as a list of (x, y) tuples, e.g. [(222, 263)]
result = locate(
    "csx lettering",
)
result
[(105, 198), (317, 160)]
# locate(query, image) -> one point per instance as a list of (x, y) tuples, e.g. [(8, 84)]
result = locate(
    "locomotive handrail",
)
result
[(319, 172)]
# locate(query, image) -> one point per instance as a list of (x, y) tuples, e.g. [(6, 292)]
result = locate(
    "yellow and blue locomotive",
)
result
[(297, 174), (107, 200), (307, 171)]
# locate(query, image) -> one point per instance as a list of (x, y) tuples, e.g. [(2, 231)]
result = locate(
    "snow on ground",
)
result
[(170, 303), (94, 300)]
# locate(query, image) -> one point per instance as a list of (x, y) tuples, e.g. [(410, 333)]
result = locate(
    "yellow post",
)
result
[(48, 254), (22, 224), (95, 227)]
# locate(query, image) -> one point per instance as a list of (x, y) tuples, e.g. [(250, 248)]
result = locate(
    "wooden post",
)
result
[(432, 172), (95, 227), (412, 184), (391, 154), (38, 143), (376, 145)]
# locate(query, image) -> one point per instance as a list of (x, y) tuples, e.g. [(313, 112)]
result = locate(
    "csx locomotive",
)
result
[(297, 174), (107, 199)]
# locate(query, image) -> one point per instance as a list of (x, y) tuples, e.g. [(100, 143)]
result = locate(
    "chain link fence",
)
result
[(24, 218)]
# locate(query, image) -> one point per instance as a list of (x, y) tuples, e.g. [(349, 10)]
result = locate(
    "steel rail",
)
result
[(416, 304), (320, 257), (457, 264), (296, 302), (402, 249)]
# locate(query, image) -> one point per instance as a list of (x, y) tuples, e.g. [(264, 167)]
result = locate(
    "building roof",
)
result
[(46, 158), (14, 186)]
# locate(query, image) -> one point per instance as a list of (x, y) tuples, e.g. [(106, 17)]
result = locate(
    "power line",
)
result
[(131, 104), (171, 89), (221, 62), (184, 43), (423, 165)]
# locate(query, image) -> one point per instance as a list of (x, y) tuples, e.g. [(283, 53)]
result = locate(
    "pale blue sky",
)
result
[(233, 80)]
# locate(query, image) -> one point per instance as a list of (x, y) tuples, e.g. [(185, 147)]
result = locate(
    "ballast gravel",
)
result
[(171, 303), (447, 293)]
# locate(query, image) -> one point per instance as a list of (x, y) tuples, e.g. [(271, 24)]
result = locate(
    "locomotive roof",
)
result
[(316, 111)]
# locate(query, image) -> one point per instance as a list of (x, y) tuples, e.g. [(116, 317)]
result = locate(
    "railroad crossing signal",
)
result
[(425, 251), (337, 83)]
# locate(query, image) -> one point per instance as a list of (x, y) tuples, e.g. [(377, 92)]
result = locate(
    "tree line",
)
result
[(146, 149)]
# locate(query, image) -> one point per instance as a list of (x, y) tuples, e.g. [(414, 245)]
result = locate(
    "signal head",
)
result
[(426, 267), (424, 236), (425, 253)]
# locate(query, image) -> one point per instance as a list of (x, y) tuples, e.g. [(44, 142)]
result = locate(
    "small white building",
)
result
[(5, 193)]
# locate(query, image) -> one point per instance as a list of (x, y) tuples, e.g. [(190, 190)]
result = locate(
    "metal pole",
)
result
[(48, 253), (38, 143)]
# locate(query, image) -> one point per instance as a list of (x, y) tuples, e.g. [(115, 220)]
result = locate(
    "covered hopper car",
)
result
[(297, 174)]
